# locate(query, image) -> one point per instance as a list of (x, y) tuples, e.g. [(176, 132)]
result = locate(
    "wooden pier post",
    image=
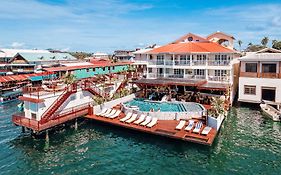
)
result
[(47, 136), (23, 129), (76, 125)]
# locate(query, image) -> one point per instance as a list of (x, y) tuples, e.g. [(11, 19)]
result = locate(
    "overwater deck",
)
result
[(164, 128)]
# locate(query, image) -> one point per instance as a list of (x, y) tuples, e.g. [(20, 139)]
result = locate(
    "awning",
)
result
[(214, 86), (11, 93), (33, 100)]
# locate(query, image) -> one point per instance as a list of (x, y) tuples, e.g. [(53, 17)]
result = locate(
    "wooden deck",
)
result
[(164, 128), (21, 120)]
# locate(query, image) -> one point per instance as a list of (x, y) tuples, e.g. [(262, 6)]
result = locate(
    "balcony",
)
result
[(218, 63), (249, 74), (269, 75), (218, 78), (199, 63)]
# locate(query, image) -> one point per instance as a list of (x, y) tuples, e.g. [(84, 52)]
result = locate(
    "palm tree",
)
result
[(250, 44), (69, 79), (240, 43), (264, 41), (274, 42)]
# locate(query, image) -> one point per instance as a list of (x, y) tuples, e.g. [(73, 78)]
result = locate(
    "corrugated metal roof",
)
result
[(46, 56)]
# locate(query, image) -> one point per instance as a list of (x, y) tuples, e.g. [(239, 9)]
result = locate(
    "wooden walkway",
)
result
[(164, 128)]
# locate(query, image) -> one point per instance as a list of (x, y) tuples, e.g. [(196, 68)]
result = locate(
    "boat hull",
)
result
[(270, 112)]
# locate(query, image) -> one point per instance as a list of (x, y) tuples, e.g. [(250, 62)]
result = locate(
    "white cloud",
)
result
[(17, 45)]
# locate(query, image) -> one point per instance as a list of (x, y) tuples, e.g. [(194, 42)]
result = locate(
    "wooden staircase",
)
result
[(93, 89), (49, 114)]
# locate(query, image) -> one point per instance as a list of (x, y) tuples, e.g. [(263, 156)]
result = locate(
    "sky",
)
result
[(108, 25)]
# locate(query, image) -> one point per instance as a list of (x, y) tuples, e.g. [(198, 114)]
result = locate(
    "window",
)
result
[(149, 70), (94, 69), (87, 70), (220, 73), (251, 67), (269, 68), (33, 116), (199, 72), (250, 90)]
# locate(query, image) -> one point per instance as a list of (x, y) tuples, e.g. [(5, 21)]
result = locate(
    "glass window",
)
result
[(269, 68), (149, 70), (251, 67), (250, 90)]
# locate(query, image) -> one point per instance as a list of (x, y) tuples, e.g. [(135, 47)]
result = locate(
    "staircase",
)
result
[(89, 86), (49, 113), (122, 85)]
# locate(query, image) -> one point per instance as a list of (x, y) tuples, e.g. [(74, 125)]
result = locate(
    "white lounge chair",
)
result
[(127, 117), (197, 128), (102, 112), (106, 113), (153, 122), (140, 119), (115, 115), (111, 113), (146, 121), (206, 130), (190, 125), (133, 118), (180, 125)]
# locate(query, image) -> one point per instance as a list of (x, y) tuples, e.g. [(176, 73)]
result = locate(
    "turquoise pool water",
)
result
[(145, 105)]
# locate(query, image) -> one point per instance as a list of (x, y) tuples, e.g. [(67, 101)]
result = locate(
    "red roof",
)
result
[(22, 77), (191, 47)]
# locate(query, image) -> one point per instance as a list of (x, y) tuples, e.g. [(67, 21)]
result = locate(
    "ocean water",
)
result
[(248, 143)]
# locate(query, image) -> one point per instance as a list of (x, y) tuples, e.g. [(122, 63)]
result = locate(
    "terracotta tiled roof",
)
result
[(22, 77), (191, 47)]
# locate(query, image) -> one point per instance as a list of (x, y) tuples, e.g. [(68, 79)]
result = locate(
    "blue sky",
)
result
[(107, 25)]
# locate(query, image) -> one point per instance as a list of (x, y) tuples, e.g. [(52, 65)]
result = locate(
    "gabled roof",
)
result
[(192, 47), (9, 53), (31, 57), (218, 32), (185, 38), (267, 54)]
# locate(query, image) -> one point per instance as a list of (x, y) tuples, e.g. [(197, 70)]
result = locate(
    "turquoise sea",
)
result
[(248, 143)]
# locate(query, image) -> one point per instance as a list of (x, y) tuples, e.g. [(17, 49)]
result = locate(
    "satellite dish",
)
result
[(190, 38)]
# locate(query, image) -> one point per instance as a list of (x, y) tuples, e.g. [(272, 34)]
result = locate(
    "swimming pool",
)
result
[(146, 105)]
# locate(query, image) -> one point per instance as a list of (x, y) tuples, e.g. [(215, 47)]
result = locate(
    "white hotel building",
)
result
[(211, 60), (260, 76)]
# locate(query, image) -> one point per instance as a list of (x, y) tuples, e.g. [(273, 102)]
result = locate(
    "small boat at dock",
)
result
[(271, 112)]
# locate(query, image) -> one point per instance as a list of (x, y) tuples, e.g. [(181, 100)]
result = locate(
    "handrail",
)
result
[(69, 88)]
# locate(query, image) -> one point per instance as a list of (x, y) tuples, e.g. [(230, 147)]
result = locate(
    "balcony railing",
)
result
[(197, 77), (217, 78), (260, 75), (198, 63), (269, 75), (218, 63)]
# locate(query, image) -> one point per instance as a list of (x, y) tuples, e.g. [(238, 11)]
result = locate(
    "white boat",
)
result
[(270, 111)]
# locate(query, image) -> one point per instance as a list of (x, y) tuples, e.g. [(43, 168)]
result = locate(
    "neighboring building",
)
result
[(123, 55), (100, 55), (7, 54), (260, 76), (30, 62), (193, 57)]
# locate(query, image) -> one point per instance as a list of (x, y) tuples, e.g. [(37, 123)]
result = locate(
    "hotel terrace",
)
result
[(208, 65)]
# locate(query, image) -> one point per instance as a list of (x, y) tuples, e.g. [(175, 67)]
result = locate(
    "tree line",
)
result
[(263, 44)]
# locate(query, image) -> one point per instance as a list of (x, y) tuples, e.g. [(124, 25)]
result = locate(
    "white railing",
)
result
[(199, 63), (218, 63), (217, 78)]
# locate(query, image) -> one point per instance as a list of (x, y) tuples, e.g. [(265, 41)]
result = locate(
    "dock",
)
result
[(165, 128)]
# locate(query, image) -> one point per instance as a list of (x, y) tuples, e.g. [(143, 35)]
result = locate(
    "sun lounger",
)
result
[(133, 118), (153, 122), (180, 125), (140, 119), (197, 128), (102, 112), (206, 130), (146, 121), (117, 113), (128, 116), (111, 113), (190, 125), (106, 113)]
